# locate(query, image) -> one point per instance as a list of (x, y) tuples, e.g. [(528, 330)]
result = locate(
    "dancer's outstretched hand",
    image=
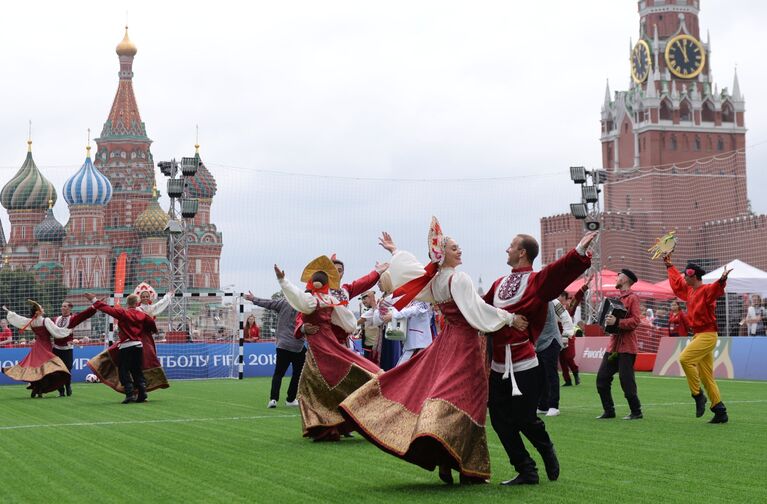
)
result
[(725, 274), (667, 260), (280, 273), (5, 308), (387, 242), (249, 296), (520, 322), (381, 267), (587, 239)]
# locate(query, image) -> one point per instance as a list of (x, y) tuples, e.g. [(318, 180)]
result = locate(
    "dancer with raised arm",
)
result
[(697, 358), (331, 371), (526, 292), (431, 410), (63, 348), (43, 370)]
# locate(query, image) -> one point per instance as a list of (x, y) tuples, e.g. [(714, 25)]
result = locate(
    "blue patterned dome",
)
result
[(88, 186), (50, 230)]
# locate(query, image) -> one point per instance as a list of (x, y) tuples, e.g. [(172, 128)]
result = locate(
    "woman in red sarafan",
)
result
[(331, 371), (41, 368), (431, 410)]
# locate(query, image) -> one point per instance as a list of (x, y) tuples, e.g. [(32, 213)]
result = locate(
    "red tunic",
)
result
[(701, 301), (531, 292), (74, 321)]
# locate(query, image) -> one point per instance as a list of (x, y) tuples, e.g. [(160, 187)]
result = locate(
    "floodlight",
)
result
[(578, 174), (590, 193), (579, 210)]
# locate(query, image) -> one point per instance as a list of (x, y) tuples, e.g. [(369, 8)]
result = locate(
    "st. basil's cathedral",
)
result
[(113, 208)]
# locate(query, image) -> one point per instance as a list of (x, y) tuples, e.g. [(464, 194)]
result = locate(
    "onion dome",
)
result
[(202, 185), (153, 220), (126, 47), (28, 189), (88, 186), (50, 230)]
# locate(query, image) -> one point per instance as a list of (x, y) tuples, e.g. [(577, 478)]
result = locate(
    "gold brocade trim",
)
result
[(440, 434), (52, 374), (109, 374), (318, 402)]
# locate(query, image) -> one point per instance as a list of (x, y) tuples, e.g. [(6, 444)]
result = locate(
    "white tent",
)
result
[(744, 279)]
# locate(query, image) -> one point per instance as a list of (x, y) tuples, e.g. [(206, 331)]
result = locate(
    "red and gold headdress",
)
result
[(145, 287), (436, 242)]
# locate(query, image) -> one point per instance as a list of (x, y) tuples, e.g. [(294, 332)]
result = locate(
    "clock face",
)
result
[(685, 56), (641, 62)]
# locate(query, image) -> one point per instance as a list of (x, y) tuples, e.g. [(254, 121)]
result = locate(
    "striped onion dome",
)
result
[(28, 189), (202, 185), (88, 186), (152, 221), (50, 230)]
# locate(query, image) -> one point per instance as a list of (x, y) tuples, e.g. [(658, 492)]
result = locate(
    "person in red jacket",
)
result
[(621, 352), (678, 325), (63, 348), (697, 359), (134, 324)]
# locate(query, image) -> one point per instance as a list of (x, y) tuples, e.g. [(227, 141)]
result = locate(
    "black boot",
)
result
[(636, 408), (142, 397), (700, 404), (446, 474), (551, 463), (129, 395), (567, 383), (528, 474), (577, 378), (720, 413), (69, 389), (62, 392), (608, 406)]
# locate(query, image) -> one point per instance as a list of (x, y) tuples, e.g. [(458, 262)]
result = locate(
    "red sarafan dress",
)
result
[(43, 370), (331, 371), (431, 409)]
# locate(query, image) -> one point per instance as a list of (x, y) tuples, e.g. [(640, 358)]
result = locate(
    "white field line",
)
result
[(138, 422)]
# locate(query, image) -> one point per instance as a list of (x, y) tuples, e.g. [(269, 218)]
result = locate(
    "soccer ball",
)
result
[(91, 378)]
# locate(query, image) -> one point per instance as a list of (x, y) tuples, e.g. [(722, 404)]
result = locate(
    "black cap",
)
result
[(630, 274), (699, 272)]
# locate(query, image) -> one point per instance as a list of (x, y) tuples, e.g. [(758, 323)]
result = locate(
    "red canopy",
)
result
[(642, 289)]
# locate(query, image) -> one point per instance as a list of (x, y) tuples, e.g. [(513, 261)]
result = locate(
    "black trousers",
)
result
[(547, 362), (624, 366), (287, 358), (511, 416), (67, 357), (131, 375)]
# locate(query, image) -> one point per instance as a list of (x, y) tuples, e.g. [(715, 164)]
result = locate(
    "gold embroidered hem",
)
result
[(441, 434), (108, 372), (318, 402), (49, 374)]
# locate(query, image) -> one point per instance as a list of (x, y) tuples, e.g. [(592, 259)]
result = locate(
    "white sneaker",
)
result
[(541, 411), (552, 412), (294, 402), (272, 404)]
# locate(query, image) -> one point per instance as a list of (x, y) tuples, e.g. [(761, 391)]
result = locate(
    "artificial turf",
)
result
[(215, 441)]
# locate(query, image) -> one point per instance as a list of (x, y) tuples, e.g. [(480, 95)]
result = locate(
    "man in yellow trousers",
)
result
[(697, 359)]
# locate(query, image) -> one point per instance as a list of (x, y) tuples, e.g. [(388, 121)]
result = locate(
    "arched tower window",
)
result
[(719, 144), (696, 143), (707, 114), (665, 110), (685, 111)]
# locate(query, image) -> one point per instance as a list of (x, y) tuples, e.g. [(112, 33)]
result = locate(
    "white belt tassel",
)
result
[(508, 372)]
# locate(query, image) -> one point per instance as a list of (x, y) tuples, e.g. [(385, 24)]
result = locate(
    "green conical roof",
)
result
[(28, 189)]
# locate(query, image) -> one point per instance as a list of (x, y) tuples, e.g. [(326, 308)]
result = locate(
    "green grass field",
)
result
[(215, 441)]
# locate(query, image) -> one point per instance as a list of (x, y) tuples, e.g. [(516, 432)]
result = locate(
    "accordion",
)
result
[(615, 308)]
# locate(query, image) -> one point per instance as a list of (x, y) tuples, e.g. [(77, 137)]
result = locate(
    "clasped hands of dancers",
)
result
[(431, 409)]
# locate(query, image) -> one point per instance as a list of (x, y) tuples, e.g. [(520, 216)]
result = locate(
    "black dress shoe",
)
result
[(567, 383), (129, 399), (522, 479), (62, 394), (606, 414), (700, 404), (142, 398), (633, 416)]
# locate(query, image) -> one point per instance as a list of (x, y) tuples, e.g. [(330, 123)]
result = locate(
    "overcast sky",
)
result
[(298, 100)]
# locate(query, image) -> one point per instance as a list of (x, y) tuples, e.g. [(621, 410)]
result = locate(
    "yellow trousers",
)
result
[(697, 361)]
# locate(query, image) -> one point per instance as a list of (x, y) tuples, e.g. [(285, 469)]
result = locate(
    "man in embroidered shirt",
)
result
[(134, 325), (525, 292), (621, 352), (63, 347), (697, 359)]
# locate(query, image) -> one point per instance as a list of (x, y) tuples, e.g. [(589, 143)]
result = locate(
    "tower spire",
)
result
[(606, 104), (29, 138), (736, 96)]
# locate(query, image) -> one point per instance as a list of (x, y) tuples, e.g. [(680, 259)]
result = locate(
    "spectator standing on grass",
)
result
[(291, 351), (621, 352)]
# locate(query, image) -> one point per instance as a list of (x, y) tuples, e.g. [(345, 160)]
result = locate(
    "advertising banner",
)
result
[(738, 357)]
